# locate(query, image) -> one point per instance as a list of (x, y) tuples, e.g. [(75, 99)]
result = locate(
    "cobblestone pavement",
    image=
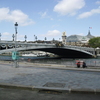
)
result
[(45, 77)]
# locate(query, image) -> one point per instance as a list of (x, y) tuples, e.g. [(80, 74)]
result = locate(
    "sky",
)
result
[(48, 18)]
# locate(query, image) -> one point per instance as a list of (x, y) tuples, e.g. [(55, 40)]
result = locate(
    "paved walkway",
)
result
[(50, 77)]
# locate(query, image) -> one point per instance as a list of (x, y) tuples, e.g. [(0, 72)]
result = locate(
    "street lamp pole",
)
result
[(25, 38), (13, 37), (36, 38), (0, 36), (16, 25)]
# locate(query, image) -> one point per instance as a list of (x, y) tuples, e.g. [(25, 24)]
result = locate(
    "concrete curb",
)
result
[(55, 66), (61, 67), (12, 86), (67, 68), (84, 90), (66, 90), (51, 89)]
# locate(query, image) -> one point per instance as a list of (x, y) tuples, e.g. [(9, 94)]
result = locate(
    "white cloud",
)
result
[(6, 36), (52, 34), (6, 33), (56, 25), (81, 34), (45, 15), (15, 16), (51, 19), (90, 13), (69, 7), (98, 2), (20, 37)]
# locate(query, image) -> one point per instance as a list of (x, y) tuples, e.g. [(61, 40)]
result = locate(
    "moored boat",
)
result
[(33, 55)]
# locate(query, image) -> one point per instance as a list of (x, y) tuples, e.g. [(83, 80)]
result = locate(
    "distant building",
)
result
[(89, 35), (76, 39)]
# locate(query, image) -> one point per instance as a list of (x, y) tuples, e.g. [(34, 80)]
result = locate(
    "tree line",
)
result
[(94, 42)]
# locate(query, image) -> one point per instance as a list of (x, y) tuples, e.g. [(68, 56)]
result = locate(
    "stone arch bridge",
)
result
[(58, 49)]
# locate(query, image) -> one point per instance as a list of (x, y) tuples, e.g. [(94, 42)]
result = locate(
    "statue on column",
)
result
[(64, 38)]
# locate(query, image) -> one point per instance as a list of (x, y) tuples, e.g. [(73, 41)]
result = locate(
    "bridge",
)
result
[(67, 51)]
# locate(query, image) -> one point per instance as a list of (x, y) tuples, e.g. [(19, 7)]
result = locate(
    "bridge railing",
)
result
[(88, 49), (8, 44)]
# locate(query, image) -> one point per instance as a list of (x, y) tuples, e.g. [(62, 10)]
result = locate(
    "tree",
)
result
[(94, 42)]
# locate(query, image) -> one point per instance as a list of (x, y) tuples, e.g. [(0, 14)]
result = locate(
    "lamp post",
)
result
[(16, 25), (13, 36), (36, 38), (0, 36), (97, 51), (53, 40), (45, 39), (25, 38)]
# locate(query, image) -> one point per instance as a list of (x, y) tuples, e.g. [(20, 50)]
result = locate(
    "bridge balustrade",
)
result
[(11, 44), (88, 49)]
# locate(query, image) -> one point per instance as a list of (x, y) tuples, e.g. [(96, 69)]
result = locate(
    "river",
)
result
[(93, 62)]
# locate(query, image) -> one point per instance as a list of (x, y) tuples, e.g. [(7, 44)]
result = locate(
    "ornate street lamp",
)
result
[(36, 38), (0, 36), (16, 25), (45, 38), (25, 38), (13, 36), (53, 40)]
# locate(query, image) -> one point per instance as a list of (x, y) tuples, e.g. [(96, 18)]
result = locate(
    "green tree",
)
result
[(94, 42)]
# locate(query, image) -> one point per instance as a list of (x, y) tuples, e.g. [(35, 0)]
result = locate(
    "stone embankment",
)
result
[(53, 77)]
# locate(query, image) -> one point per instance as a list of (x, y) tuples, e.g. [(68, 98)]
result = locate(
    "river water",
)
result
[(93, 62)]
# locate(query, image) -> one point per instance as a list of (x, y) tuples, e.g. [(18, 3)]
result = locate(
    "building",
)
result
[(89, 35), (78, 40)]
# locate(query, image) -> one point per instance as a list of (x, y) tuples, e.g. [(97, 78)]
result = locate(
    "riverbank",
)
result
[(43, 65), (94, 62), (53, 78)]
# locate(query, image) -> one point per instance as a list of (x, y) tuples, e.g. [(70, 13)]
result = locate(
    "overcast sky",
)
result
[(49, 18)]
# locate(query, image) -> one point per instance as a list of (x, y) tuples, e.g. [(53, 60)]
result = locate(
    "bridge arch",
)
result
[(63, 51), (67, 53)]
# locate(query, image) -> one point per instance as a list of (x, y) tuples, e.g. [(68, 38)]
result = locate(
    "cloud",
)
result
[(15, 16), (90, 13), (98, 2), (6, 36), (6, 33), (52, 34), (69, 7), (44, 15), (20, 37)]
